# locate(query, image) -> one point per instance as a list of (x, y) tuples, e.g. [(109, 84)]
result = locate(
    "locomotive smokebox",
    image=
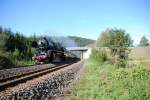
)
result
[(34, 44)]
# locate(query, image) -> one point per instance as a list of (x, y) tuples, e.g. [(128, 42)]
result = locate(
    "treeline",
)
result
[(15, 49)]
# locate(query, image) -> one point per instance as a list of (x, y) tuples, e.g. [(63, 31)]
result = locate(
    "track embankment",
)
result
[(44, 87)]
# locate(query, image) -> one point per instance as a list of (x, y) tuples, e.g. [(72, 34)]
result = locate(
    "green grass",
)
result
[(106, 82), (25, 63)]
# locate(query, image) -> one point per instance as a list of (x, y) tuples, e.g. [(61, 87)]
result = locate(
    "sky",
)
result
[(85, 18)]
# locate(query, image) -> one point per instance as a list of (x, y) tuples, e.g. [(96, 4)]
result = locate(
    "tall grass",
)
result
[(103, 81), (98, 56)]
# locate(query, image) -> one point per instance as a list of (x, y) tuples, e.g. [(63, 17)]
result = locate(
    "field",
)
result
[(103, 81), (140, 55)]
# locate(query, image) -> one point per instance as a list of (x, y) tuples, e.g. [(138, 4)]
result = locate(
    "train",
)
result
[(48, 51)]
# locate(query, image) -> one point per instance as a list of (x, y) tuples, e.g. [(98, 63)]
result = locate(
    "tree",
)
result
[(144, 42), (114, 38), (118, 41), (4, 35)]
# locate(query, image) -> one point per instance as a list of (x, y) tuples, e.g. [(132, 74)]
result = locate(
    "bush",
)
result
[(99, 56), (121, 63), (6, 61)]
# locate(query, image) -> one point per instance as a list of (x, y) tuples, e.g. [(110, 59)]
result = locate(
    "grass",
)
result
[(25, 63), (106, 82)]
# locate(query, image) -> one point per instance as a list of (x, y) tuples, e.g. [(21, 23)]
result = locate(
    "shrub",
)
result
[(5, 61), (121, 63), (99, 56)]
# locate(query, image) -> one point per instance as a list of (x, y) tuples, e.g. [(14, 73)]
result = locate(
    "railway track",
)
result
[(14, 80)]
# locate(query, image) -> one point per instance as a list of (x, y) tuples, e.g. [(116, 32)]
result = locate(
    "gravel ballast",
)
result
[(6, 73), (45, 87)]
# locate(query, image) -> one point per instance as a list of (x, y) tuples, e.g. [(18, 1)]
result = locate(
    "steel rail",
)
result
[(26, 77), (23, 74)]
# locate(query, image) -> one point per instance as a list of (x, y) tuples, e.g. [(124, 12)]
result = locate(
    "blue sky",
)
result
[(85, 18)]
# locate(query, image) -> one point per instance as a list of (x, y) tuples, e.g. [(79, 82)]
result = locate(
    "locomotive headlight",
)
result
[(33, 58)]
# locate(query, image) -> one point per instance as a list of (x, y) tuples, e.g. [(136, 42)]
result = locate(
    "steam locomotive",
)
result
[(49, 51)]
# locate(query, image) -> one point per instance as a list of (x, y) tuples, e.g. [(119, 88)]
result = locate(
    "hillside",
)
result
[(82, 41)]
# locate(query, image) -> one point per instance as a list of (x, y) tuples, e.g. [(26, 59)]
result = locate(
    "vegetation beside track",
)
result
[(103, 81)]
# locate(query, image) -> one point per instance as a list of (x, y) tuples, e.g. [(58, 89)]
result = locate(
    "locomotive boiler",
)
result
[(47, 51)]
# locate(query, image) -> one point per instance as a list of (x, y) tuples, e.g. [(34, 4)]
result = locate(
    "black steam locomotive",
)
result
[(49, 51)]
